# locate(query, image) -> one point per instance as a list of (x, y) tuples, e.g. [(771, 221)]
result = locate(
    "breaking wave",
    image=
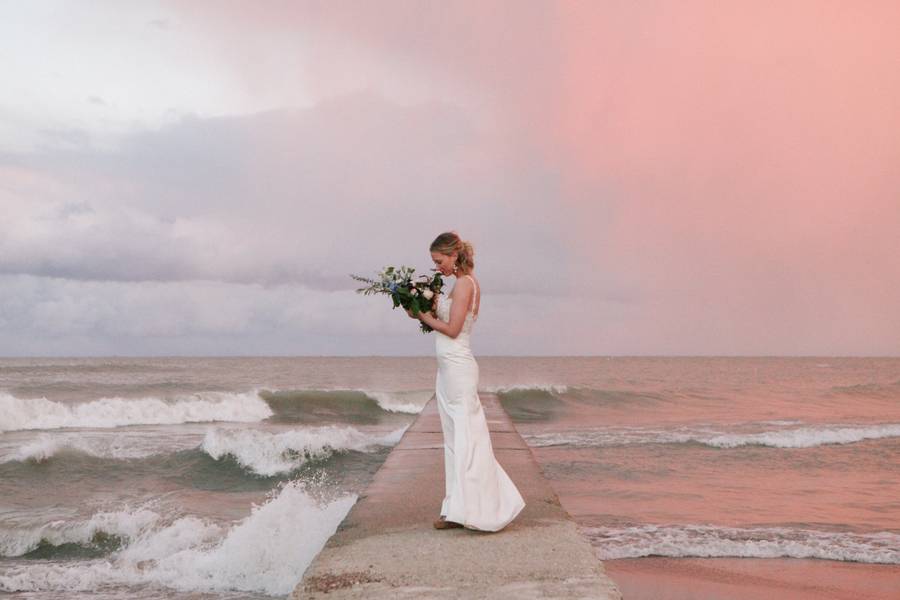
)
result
[(269, 454), (18, 414), (801, 437), (354, 406), (764, 542), (267, 551)]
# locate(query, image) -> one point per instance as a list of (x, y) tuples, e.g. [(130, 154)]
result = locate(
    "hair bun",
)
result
[(450, 242)]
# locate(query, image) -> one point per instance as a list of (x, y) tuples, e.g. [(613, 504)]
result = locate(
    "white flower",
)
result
[(428, 294)]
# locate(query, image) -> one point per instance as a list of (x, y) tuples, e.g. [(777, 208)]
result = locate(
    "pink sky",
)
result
[(703, 177), (734, 161), (751, 149)]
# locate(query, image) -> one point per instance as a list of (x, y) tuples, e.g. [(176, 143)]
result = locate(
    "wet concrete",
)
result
[(386, 547)]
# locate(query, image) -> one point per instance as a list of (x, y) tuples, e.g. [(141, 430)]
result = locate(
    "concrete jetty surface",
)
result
[(386, 546)]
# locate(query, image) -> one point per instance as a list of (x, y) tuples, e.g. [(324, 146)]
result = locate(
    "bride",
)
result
[(479, 493)]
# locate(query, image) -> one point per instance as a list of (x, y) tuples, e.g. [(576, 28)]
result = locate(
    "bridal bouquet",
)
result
[(418, 296)]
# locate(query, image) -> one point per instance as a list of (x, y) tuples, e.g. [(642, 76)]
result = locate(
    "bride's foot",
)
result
[(442, 523)]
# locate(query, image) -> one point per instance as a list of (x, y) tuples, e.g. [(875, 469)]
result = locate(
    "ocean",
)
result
[(223, 477)]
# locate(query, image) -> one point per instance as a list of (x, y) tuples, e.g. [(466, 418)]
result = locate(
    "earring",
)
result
[(455, 268)]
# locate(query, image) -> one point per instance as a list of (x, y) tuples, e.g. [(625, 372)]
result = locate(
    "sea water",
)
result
[(223, 477)]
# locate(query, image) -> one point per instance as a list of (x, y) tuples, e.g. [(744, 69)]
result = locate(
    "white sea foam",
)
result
[(266, 453), (96, 444), (127, 524), (800, 437), (266, 552), (39, 413), (764, 542), (44, 448), (412, 401), (607, 436), (806, 437), (524, 387), (262, 452)]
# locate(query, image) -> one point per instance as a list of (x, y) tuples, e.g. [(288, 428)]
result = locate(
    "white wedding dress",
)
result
[(479, 493)]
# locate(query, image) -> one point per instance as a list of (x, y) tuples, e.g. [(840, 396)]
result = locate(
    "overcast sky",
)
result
[(637, 178)]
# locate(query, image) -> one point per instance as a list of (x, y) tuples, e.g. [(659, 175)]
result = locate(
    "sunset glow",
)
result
[(649, 178)]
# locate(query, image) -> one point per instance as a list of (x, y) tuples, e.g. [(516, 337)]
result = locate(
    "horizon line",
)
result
[(432, 356)]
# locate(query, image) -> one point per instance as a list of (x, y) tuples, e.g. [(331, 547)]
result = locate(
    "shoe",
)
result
[(442, 523)]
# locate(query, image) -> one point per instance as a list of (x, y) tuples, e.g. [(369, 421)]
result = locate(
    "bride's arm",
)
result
[(462, 297)]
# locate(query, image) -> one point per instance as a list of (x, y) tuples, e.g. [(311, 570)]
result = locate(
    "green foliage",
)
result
[(399, 284)]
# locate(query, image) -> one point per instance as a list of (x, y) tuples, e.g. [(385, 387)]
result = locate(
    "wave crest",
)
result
[(124, 524), (764, 542), (18, 414), (801, 437), (269, 454), (411, 402), (550, 388), (117, 447), (267, 552), (806, 437)]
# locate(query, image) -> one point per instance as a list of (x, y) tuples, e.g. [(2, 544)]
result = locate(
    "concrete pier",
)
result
[(386, 547)]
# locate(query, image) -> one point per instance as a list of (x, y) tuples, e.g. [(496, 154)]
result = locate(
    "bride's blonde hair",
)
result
[(450, 242)]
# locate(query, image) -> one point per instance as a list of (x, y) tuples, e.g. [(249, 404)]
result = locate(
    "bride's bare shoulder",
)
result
[(473, 283), (463, 286)]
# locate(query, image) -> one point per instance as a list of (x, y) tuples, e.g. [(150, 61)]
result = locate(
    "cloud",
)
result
[(301, 196), (162, 24), (74, 317), (54, 316), (637, 178)]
